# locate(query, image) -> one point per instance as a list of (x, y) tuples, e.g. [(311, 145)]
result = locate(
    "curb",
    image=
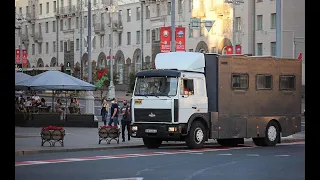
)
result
[(32, 152)]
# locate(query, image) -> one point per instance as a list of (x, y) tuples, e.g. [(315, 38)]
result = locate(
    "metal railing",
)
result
[(67, 10)]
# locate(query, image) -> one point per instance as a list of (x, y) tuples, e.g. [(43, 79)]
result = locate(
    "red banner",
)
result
[(24, 58), (165, 41), (180, 39), (228, 49), (238, 49), (17, 56)]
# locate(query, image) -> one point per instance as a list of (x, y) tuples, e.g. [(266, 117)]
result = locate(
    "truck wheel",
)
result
[(272, 135), (152, 143), (196, 136)]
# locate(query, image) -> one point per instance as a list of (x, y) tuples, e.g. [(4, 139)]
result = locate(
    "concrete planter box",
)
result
[(21, 119)]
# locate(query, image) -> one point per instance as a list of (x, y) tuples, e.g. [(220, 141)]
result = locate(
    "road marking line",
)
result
[(197, 153), (133, 178), (224, 154), (121, 156), (282, 155), (292, 143), (252, 155)]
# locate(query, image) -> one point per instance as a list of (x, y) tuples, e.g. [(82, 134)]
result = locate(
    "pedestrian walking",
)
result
[(114, 112), (104, 111), (126, 120)]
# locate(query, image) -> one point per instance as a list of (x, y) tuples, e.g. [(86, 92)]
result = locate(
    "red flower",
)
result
[(52, 128)]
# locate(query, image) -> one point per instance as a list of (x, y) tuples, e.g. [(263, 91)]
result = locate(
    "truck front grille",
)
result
[(152, 115)]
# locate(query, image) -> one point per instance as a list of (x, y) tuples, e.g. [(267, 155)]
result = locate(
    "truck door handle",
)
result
[(194, 107)]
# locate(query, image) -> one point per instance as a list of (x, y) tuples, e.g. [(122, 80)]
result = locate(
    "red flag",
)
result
[(300, 56)]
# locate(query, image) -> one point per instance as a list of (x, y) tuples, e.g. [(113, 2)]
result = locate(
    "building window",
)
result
[(85, 20), (273, 21), (109, 40), (61, 46), (33, 49), (190, 50), (94, 42), (102, 41), (53, 26), (47, 48), (287, 82), (138, 13), (157, 37), (168, 9), (128, 15), (240, 81), (54, 46), (77, 22), (147, 12), (238, 24), (202, 29), (47, 8), (179, 6), (39, 48), (259, 47), (27, 9), (138, 37), (147, 35), (61, 25), (69, 23), (264, 82), (190, 31), (273, 48), (259, 0), (40, 9), (259, 22), (158, 10), (47, 27), (120, 38), (77, 44), (20, 10), (54, 6), (33, 27), (128, 38), (190, 5)]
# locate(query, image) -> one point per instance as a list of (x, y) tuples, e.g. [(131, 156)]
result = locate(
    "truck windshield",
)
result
[(156, 86)]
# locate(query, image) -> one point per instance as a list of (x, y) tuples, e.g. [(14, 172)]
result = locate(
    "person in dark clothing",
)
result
[(126, 119), (104, 111), (114, 113)]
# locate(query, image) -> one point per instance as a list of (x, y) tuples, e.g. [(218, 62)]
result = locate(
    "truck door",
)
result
[(187, 100)]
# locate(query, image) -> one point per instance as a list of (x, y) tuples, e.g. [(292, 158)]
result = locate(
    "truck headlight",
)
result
[(172, 129), (134, 128)]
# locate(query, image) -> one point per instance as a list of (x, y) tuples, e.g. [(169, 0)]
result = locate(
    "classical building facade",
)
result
[(51, 30)]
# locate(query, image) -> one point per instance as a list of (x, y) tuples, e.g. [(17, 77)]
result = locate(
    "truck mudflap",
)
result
[(161, 131)]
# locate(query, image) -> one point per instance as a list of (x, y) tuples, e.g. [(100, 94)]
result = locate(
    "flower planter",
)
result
[(109, 133), (52, 134)]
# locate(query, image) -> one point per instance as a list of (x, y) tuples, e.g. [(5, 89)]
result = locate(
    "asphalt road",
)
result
[(283, 162)]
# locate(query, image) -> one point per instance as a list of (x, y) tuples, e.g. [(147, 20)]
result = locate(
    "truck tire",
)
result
[(152, 143), (196, 136), (272, 135)]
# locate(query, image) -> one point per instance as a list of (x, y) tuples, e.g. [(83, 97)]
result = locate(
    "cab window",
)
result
[(187, 87)]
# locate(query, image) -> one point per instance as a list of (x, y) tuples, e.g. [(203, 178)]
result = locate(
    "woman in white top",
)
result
[(104, 111)]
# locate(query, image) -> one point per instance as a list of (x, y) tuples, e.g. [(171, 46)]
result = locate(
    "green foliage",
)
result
[(132, 79)]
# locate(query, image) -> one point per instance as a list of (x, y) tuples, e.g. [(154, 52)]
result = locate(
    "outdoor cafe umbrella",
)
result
[(55, 80), (19, 77)]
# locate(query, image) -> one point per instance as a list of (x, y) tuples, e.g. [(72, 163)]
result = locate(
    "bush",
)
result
[(132, 79)]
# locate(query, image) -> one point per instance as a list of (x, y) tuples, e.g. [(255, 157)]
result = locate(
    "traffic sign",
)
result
[(208, 24)]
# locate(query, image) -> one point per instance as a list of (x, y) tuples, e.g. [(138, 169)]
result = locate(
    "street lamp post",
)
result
[(89, 98), (19, 27), (111, 89), (173, 26)]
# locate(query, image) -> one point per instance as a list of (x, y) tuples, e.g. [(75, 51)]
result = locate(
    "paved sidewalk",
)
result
[(28, 141)]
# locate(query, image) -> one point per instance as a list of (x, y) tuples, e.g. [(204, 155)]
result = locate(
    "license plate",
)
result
[(151, 131), (137, 101)]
